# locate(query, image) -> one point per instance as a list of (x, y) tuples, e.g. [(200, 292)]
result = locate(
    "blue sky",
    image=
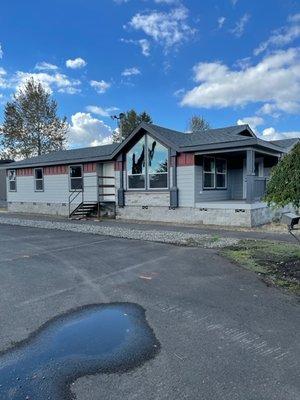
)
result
[(232, 61)]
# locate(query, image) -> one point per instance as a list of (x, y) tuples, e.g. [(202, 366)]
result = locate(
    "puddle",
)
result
[(94, 339)]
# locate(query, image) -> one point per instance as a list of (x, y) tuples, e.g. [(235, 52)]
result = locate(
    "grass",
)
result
[(277, 263)]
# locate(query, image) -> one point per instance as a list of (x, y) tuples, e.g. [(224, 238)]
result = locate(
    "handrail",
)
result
[(72, 198)]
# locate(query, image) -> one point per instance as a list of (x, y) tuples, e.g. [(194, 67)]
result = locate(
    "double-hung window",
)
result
[(38, 180), (214, 173), (12, 180), (76, 181), (147, 165)]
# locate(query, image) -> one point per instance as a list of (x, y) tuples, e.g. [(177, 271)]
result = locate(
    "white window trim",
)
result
[(35, 180), (10, 180), (215, 173), (70, 179)]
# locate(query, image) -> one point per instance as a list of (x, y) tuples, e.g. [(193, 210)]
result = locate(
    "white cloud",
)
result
[(51, 82), (77, 63), (221, 22), (102, 112), (240, 26), (179, 92), (234, 2), (253, 122), (1, 52), (166, 28), (144, 44), (272, 134), (86, 130), (274, 80), (166, 1), (100, 86), (131, 72), (45, 66), (283, 36), (3, 80)]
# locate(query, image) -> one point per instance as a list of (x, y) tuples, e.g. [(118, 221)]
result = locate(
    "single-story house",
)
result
[(214, 177), (3, 190)]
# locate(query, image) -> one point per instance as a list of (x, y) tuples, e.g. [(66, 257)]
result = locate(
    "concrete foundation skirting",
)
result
[(224, 217), (60, 209)]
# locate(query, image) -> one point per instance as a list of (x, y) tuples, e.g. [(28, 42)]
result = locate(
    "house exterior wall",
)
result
[(54, 199), (3, 195)]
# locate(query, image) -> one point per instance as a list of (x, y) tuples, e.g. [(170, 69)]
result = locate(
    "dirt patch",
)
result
[(276, 263)]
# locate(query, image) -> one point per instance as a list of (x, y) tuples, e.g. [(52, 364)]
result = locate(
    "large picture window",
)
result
[(76, 177), (157, 165), (12, 180), (136, 166), (38, 180), (214, 173), (147, 169)]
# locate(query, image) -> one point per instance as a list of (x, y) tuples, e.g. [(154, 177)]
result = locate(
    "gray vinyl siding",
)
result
[(204, 195), (186, 186), (56, 189), (2, 187)]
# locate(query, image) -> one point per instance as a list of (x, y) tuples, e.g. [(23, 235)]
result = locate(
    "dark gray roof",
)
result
[(211, 136), (69, 156), (232, 136), (286, 143)]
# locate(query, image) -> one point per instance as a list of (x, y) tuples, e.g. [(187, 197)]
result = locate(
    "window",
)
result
[(157, 165), (136, 166), (152, 164), (221, 173), (12, 180), (214, 173), (38, 180), (209, 173), (76, 177)]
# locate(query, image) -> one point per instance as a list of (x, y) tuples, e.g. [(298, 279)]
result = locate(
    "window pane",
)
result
[(209, 180), (220, 165), (136, 181), (136, 158), (257, 169), (12, 186), (209, 164), (39, 185), (158, 181), (76, 183), (12, 175), (157, 157), (221, 180), (38, 173), (75, 171)]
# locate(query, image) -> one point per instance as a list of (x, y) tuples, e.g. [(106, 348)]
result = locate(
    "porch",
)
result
[(232, 179)]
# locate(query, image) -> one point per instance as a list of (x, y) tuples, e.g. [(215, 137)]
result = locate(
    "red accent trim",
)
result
[(24, 172), (118, 165), (185, 159), (89, 167), (56, 170)]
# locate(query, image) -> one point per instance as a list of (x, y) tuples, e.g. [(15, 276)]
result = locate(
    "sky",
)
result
[(230, 61)]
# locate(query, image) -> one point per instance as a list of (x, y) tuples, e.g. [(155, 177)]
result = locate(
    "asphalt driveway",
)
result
[(223, 333)]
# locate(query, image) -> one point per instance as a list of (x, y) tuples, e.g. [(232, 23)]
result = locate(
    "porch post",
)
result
[(121, 193), (250, 175), (174, 189)]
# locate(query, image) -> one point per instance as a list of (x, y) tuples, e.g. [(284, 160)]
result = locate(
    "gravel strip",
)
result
[(178, 238)]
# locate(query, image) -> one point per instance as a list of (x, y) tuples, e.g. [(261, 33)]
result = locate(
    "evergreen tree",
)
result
[(31, 125), (284, 185), (198, 124), (128, 123)]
